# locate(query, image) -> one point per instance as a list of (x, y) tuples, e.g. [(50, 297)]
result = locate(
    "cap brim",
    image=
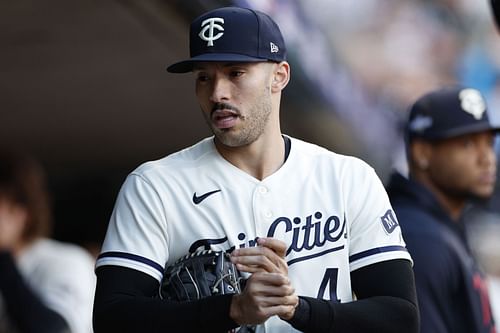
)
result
[(482, 127), (187, 65)]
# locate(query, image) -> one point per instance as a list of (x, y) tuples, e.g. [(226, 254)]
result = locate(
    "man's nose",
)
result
[(221, 90)]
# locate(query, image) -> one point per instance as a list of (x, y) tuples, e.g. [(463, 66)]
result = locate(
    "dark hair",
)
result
[(23, 182)]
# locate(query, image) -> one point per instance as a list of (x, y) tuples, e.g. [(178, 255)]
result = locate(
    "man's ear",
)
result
[(281, 76), (421, 153)]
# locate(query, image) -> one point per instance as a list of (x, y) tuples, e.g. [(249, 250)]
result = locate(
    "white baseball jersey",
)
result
[(331, 210)]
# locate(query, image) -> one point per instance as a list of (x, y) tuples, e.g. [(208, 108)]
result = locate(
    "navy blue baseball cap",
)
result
[(448, 112), (232, 34)]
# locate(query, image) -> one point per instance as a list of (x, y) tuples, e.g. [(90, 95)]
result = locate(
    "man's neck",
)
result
[(259, 159), (454, 205)]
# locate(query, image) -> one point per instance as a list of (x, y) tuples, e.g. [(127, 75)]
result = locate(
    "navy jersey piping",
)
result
[(376, 250), (133, 257)]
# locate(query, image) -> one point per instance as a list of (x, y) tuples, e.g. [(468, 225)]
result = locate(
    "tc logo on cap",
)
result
[(209, 25), (472, 102)]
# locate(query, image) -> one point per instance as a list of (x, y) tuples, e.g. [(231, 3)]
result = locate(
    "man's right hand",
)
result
[(268, 291)]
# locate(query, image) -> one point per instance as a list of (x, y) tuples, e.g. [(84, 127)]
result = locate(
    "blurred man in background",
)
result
[(451, 160), (45, 285)]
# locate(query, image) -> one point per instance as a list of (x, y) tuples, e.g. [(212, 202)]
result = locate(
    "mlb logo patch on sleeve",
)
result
[(389, 221)]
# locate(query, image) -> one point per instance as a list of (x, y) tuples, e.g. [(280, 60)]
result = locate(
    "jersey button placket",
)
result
[(263, 209)]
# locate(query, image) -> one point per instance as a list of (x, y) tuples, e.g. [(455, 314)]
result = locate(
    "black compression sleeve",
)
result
[(24, 309), (126, 301), (386, 303)]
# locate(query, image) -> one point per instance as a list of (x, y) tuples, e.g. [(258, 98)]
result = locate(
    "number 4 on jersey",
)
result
[(330, 279)]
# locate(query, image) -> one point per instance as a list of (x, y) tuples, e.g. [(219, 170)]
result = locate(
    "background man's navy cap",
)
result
[(233, 34), (448, 112)]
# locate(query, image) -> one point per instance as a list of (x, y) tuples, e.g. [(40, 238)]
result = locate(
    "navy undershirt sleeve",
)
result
[(386, 302), (126, 301), (24, 308)]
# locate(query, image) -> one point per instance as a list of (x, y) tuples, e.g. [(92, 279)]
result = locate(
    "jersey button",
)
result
[(263, 190), (268, 215)]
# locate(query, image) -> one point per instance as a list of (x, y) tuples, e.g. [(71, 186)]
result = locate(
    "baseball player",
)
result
[(312, 229), (451, 160)]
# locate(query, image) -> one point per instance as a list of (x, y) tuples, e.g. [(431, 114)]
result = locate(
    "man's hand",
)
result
[(268, 256), (265, 295), (268, 291)]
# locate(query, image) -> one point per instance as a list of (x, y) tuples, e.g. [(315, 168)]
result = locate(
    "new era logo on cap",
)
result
[(420, 123), (233, 34), (274, 47)]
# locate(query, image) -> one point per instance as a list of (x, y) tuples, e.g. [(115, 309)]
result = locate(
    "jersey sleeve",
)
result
[(137, 234), (374, 230)]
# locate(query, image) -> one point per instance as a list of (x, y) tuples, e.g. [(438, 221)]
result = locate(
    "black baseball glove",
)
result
[(199, 275)]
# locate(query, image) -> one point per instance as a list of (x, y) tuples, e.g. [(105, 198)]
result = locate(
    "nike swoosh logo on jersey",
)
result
[(198, 199)]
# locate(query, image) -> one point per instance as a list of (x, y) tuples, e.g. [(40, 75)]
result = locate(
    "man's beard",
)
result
[(251, 127)]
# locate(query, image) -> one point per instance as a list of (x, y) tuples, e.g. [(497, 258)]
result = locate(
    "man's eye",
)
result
[(202, 78), (468, 143), (236, 73)]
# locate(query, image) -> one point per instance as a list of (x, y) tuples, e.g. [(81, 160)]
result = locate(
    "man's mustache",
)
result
[(224, 106)]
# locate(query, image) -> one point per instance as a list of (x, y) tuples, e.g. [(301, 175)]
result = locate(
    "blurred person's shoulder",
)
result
[(47, 255)]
